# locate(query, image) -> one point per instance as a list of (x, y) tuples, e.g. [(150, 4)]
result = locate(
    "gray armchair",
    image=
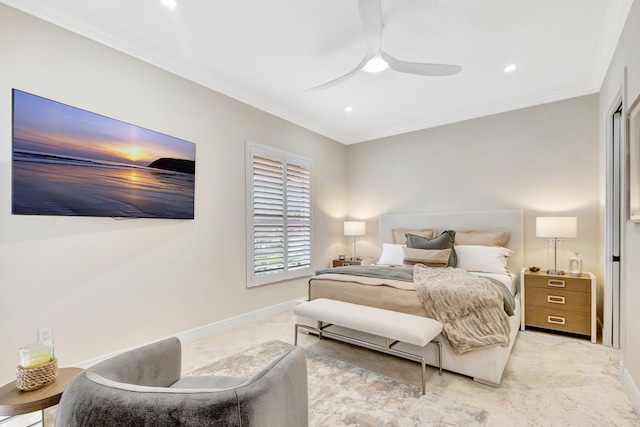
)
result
[(142, 387)]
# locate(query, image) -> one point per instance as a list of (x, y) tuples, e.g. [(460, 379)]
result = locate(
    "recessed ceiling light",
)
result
[(169, 3), (510, 68), (348, 109), (376, 64)]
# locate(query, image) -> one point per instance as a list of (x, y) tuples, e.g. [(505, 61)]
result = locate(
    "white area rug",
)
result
[(342, 394)]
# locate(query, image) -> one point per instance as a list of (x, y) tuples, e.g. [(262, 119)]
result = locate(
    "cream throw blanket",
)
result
[(469, 307)]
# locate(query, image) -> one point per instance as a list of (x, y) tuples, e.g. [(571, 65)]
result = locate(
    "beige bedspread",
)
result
[(380, 293), (370, 281), (470, 308)]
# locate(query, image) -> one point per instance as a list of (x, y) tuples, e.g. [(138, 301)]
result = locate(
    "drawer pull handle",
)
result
[(555, 299), (556, 320), (555, 283)]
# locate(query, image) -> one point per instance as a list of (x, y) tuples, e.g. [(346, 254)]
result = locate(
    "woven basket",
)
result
[(34, 378)]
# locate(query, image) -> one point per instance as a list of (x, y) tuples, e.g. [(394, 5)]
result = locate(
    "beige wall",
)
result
[(104, 285), (627, 55), (542, 159)]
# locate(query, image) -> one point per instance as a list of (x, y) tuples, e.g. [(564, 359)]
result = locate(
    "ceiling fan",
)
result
[(377, 59)]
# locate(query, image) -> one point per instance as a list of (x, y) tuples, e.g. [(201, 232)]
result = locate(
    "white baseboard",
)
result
[(224, 325), (207, 330), (632, 389)]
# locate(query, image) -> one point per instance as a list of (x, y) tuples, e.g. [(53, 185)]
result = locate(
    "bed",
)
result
[(484, 365)]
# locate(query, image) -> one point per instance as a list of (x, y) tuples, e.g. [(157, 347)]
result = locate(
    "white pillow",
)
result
[(391, 254), (485, 259)]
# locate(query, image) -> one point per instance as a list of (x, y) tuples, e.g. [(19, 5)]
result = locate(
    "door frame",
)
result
[(611, 322)]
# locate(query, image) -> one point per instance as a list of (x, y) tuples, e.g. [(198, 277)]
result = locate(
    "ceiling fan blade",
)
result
[(350, 74), (420, 68), (371, 22)]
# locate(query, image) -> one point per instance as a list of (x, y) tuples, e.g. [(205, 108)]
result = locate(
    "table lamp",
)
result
[(555, 229), (354, 228)]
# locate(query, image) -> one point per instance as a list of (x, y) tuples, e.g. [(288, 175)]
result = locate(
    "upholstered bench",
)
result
[(394, 326)]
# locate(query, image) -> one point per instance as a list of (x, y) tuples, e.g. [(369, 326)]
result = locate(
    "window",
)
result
[(278, 215)]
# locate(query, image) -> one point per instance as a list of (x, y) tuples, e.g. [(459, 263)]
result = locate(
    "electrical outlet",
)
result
[(44, 334)]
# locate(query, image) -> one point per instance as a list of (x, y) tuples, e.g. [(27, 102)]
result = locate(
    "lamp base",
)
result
[(556, 272)]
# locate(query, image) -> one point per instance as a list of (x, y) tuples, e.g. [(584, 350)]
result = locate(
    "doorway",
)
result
[(613, 226)]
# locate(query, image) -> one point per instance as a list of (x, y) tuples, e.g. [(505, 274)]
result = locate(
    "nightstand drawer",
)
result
[(558, 299), (568, 283), (345, 262), (567, 321)]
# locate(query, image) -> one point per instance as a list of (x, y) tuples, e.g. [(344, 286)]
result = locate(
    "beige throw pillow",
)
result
[(399, 237), (482, 237), (428, 257)]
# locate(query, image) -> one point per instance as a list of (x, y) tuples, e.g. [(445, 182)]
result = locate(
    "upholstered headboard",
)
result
[(504, 220)]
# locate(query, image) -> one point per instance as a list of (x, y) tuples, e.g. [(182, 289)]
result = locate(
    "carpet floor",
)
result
[(342, 394)]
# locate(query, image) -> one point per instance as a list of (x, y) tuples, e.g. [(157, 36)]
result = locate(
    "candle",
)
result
[(34, 355)]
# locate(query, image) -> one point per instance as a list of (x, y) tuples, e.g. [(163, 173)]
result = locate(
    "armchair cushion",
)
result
[(155, 365)]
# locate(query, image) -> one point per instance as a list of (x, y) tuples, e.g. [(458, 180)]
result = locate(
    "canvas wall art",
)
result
[(633, 162), (69, 161)]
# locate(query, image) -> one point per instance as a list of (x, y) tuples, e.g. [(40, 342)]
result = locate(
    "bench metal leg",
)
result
[(387, 348), (439, 355), (424, 375)]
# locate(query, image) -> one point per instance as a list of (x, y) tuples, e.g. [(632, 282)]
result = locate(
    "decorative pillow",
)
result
[(400, 238), (443, 241), (485, 259), (391, 254), (428, 257), (482, 237)]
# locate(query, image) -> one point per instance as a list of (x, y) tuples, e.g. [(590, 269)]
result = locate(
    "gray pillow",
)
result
[(443, 241)]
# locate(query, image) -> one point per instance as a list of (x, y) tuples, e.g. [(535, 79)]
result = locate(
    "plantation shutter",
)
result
[(268, 216), (279, 229), (298, 217)]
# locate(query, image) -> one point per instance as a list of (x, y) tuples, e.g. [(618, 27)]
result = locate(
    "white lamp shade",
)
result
[(354, 228), (557, 226)]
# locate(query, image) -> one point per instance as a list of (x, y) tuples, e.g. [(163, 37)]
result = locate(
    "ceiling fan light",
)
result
[(169, 3), (376, 64)]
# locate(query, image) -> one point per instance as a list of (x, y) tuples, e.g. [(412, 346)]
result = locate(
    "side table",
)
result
[(18, 402), (559, 302), (344, 262)]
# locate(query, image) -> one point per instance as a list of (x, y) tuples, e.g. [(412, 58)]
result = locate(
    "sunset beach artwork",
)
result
[(68, 161)]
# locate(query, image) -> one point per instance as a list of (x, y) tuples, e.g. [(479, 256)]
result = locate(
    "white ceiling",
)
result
[(266, 53)]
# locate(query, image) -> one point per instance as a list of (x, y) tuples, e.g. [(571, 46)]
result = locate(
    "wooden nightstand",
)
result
[(343, 262), (560, 303)]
